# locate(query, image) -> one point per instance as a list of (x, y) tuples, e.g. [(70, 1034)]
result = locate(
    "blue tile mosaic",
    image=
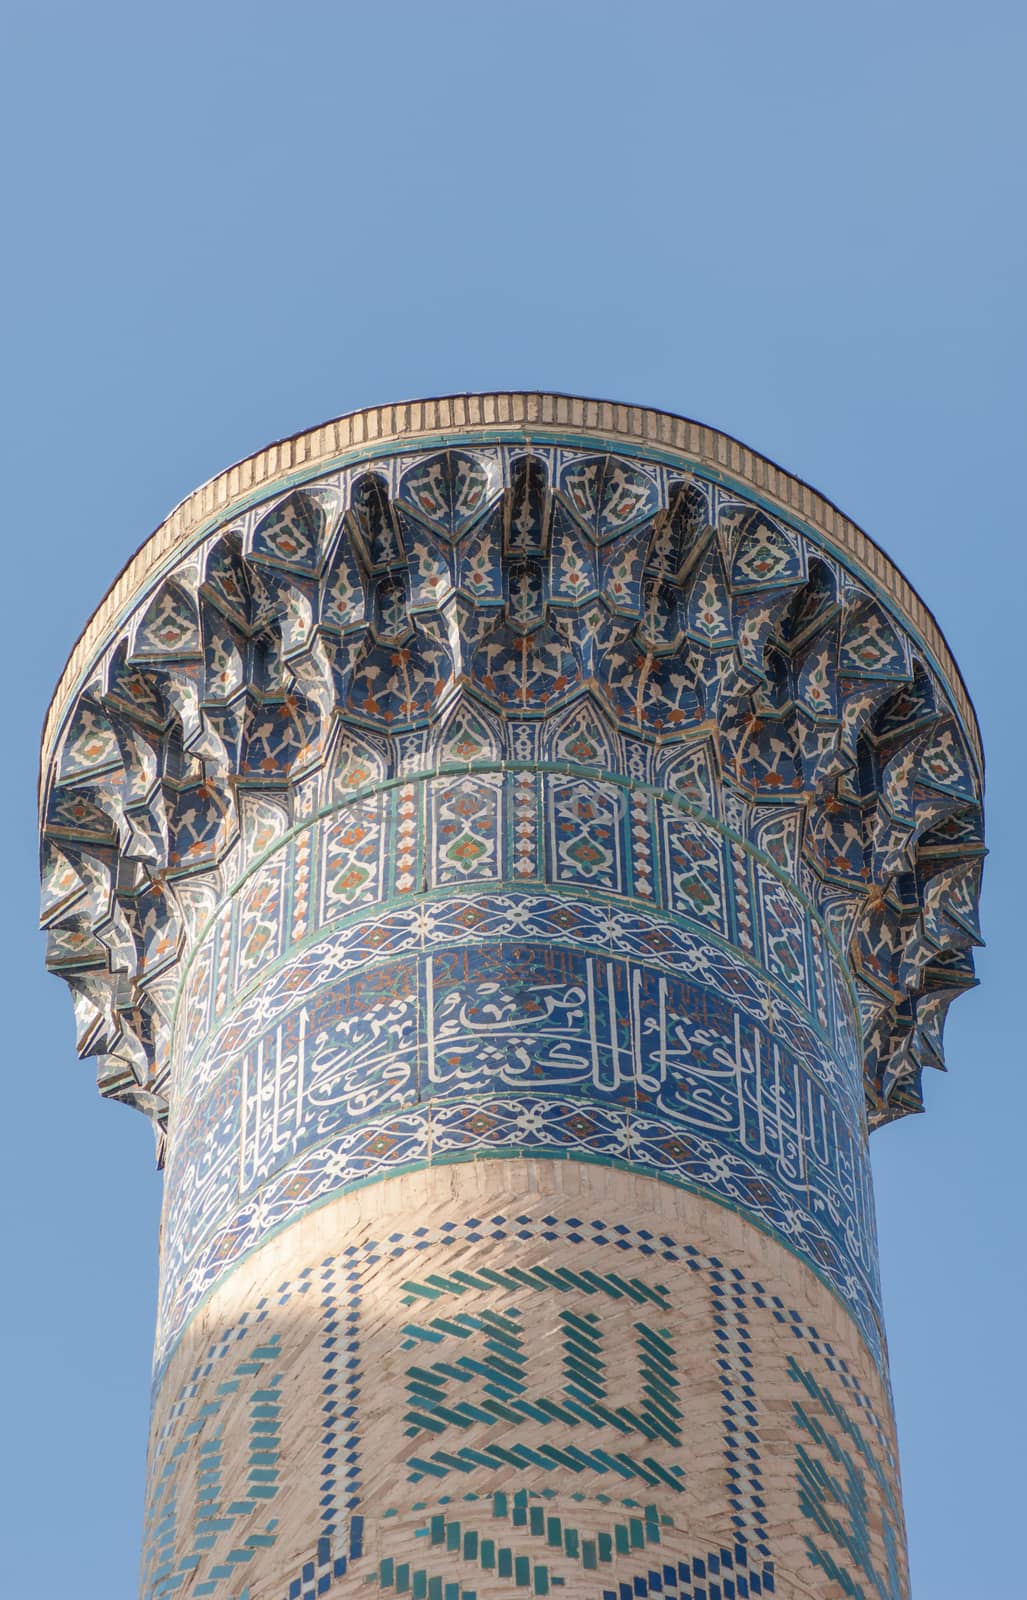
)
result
[(516, 797)]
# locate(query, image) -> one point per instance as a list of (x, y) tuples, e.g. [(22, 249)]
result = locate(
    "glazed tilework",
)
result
[(521, 1398), (609, 1027), (499, 810), (625, 613)]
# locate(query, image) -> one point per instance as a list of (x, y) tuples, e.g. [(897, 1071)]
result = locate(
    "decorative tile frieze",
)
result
[(542, 793), (704, 628)]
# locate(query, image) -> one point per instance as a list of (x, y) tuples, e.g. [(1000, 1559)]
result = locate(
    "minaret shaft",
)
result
[(514, 854)]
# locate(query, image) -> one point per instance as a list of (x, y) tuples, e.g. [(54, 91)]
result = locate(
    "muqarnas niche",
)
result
[(515, 849)]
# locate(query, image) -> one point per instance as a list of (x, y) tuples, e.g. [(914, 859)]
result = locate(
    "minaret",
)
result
[(514, 848)]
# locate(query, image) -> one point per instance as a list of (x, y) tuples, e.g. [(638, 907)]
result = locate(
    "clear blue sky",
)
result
[(802, 223)]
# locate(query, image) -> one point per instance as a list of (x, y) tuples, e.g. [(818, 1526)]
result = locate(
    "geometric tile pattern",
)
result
[(200, 1432), (437, 1407), (584, 1471), (492, 800), (497, 1023), (513, 602)]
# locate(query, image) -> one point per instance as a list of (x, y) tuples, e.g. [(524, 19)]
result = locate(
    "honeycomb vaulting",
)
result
[(514, 848)]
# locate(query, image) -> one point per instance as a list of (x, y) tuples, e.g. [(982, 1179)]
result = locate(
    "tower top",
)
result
[(511, 580), (517, 414)]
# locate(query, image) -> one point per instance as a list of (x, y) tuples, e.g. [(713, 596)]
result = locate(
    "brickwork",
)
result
[(514, 869), (517, 1379)]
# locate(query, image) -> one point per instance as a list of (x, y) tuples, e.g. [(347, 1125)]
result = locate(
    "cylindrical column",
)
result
[(514, 848)]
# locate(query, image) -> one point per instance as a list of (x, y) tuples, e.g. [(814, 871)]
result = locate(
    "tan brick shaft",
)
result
[(762, 1422)]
